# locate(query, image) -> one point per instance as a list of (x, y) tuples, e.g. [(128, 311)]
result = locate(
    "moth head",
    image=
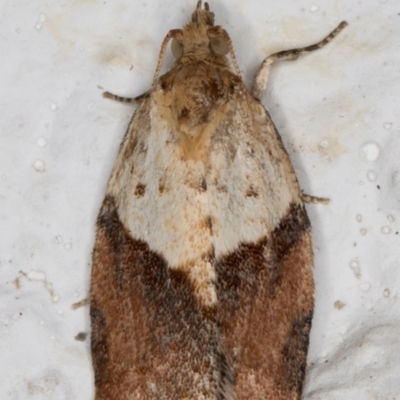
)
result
[(199, 40), (200, 35), (203, 16), (218, 44)]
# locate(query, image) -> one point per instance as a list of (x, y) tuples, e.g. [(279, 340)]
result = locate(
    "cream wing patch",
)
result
[(179, 231), (242, 190), (249, 185)]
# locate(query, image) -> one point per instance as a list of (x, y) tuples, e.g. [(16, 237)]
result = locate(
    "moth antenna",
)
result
[(198, 5), (172, 34), (260, 83), (206, 6)]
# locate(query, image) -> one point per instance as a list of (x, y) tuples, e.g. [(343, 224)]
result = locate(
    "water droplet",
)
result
[(67, 246), (60, 312), (58, 239), (314, 8), (386, 230), (324, 144), (54, 107), (56, 298), (38, 26), (363, 231), (387, 125), (390, 218), (355, 267), (39, 165), (386, 293), (42, 17), (365, 286), (371, 175), (36, 276), (359, 217), (370, 151), (41, 142)]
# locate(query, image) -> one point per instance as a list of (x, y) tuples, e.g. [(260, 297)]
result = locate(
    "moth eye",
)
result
[(219, 45), (176, 48)]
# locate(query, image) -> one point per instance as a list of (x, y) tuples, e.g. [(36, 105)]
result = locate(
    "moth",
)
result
[(202, 285)]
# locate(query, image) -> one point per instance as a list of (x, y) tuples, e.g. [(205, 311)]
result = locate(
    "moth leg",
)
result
[(260, 83), (82, 303), (137, 99), (314, 199)]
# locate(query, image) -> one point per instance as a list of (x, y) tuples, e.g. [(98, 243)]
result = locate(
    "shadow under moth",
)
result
[(202, 284)]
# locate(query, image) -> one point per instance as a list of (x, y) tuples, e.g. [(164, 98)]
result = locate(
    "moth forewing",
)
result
[(202, 283)]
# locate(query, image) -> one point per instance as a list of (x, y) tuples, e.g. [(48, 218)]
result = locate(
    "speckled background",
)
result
[(337, 109)]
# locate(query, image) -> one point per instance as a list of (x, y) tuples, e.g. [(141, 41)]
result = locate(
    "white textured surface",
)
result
[(337, 110)]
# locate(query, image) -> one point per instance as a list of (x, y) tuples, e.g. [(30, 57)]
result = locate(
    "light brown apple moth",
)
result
[(202, 284)]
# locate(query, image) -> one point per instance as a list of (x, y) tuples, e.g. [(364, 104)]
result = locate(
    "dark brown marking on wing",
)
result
[(251, 192), (161, 188), (140, 190), (184, 113), (291, 227), (203, 185), (222, 188), (99, 346), (294, 352), (108, 218), (209, 222), (239, 274)]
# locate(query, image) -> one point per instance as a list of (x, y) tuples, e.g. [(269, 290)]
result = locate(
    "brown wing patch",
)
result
[(151, 339), (265, 293), (99, 346)]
